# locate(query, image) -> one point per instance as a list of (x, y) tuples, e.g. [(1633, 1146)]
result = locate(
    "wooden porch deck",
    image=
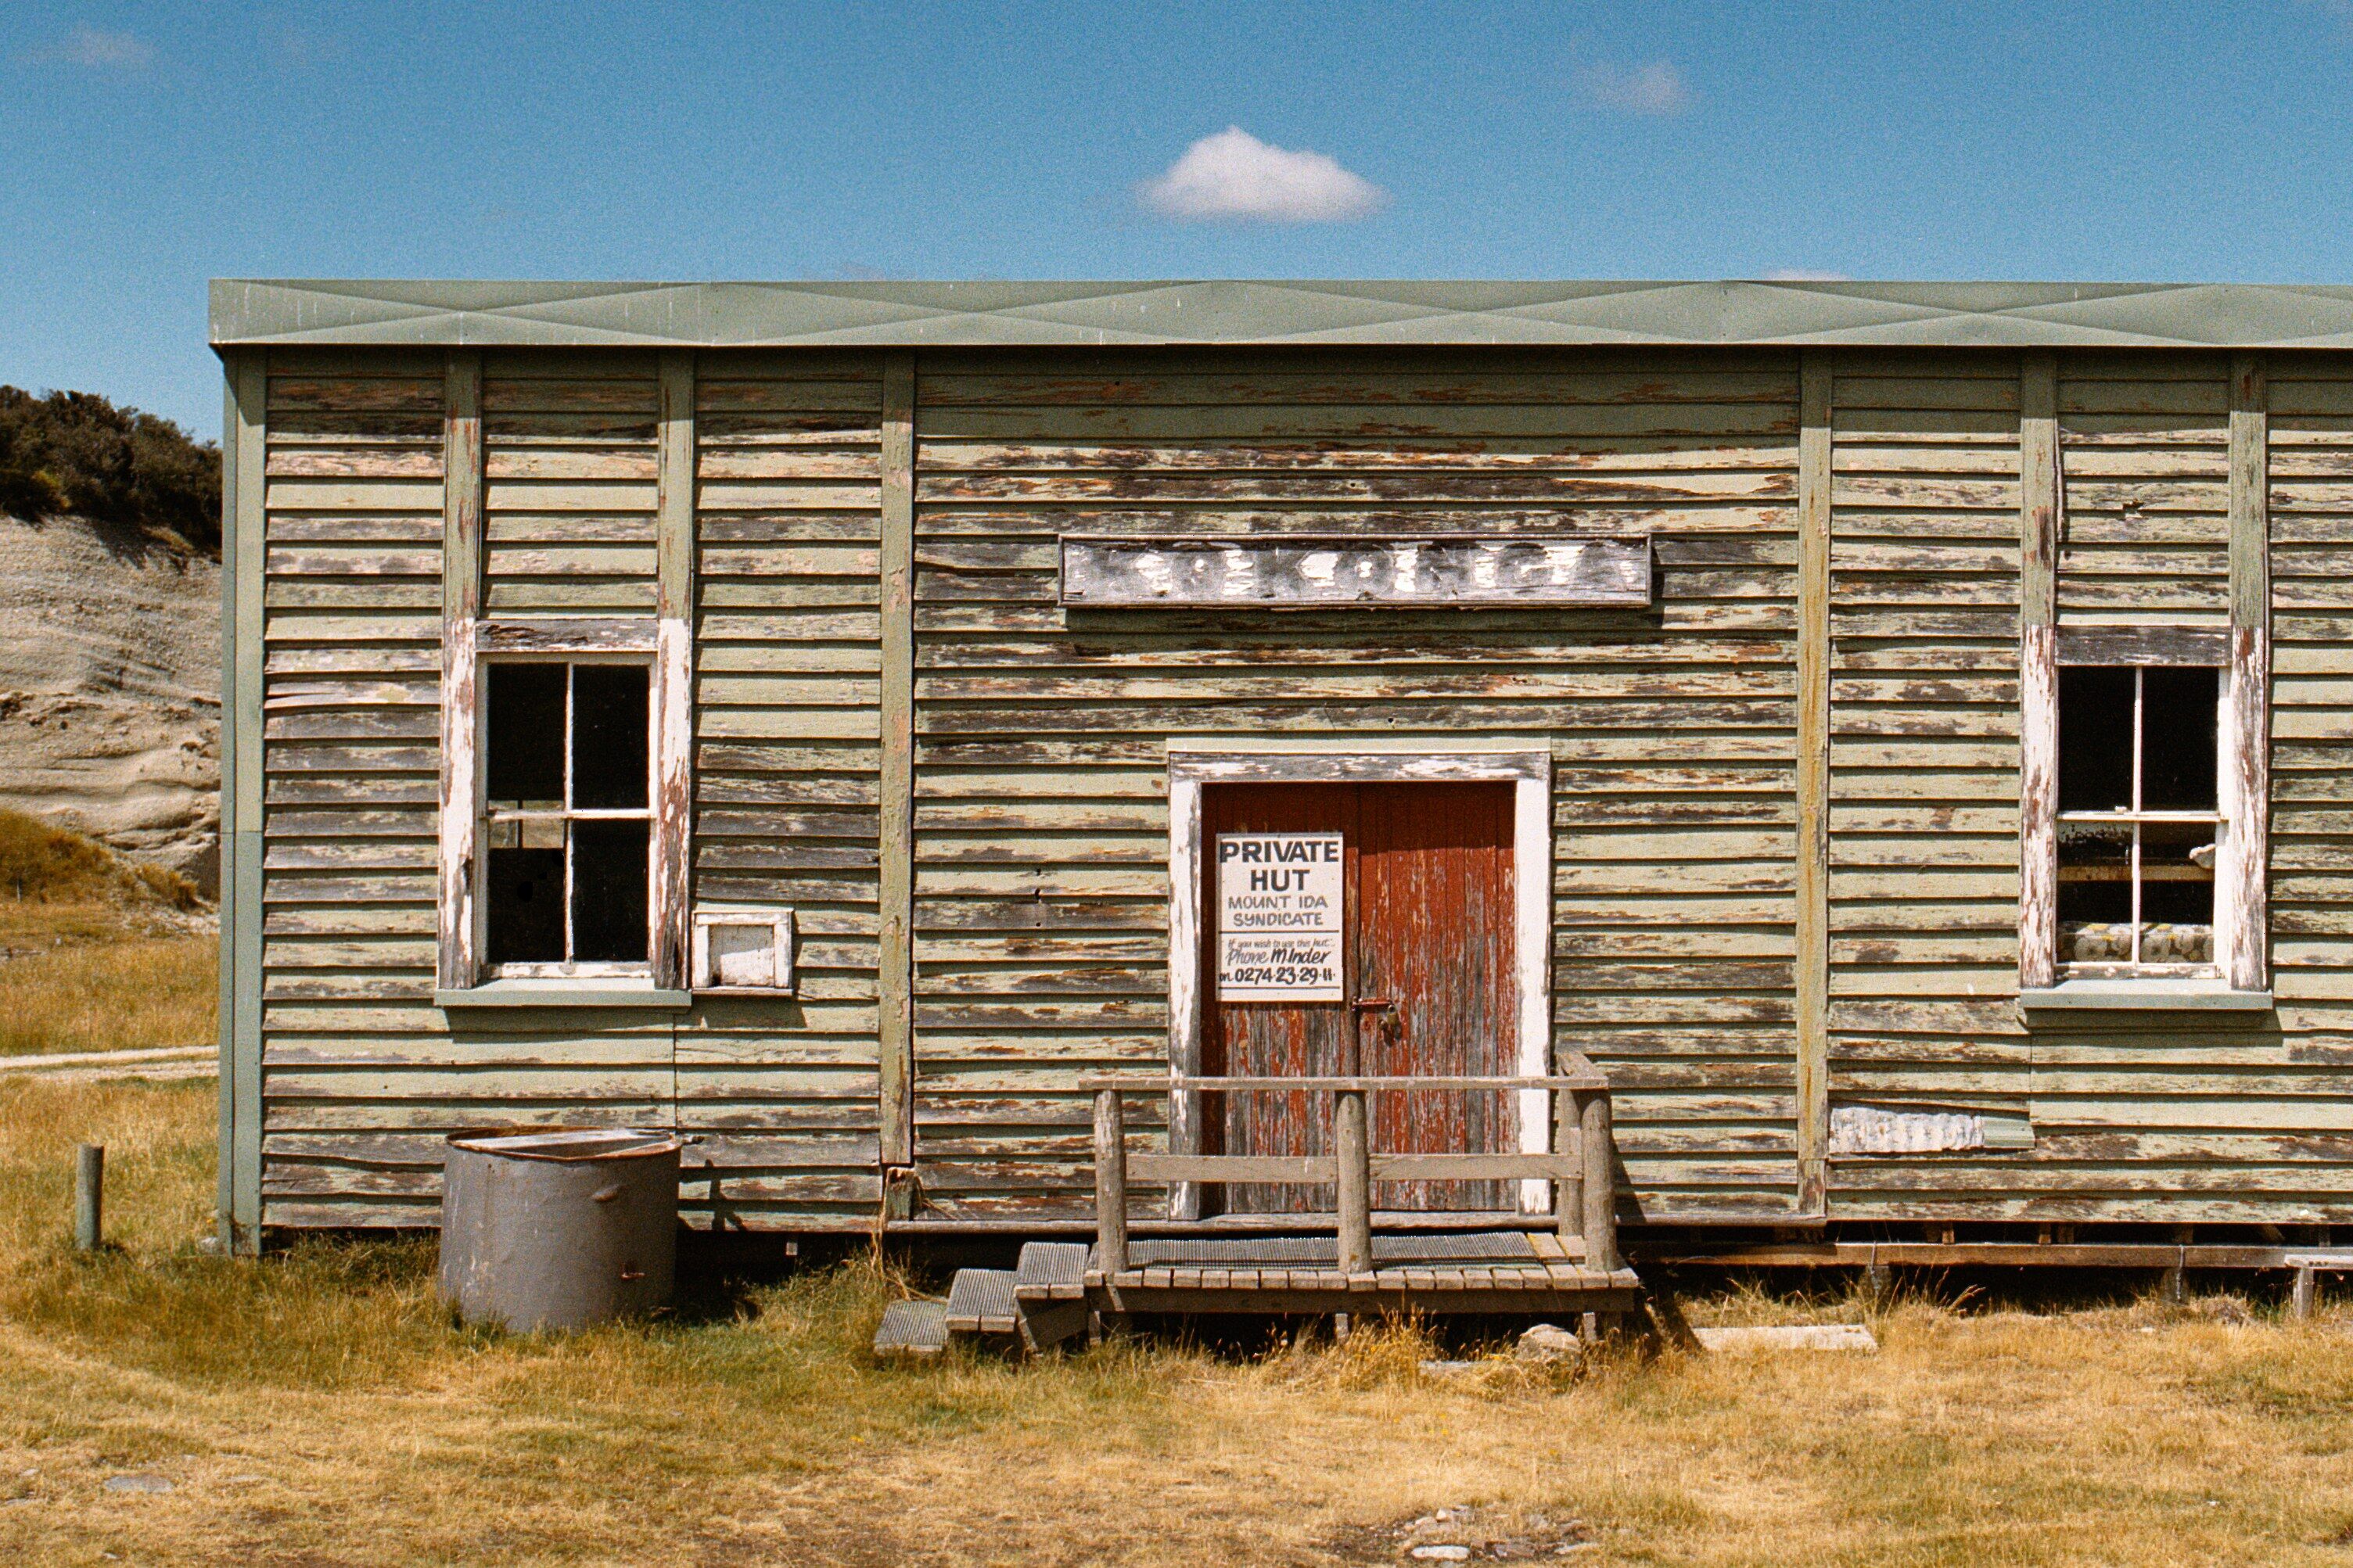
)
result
[(1333, 1263), (1476, 1271)]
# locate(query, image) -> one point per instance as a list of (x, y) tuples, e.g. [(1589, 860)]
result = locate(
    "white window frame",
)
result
[(570, 969), (469, 646), (2138, 816), (2243, 774)]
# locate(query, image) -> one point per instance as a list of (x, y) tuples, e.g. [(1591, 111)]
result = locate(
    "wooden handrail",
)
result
[(1372, 1084), (1580, 1163)]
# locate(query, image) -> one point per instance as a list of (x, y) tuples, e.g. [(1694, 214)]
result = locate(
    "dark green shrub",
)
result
[(77, 452)]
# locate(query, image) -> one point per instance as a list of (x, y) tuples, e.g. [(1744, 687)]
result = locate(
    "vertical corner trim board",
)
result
[(244, 556), (2247, 964), (461, 609), (674, 481), (2039, 498), (1813, 723), (894, 977)]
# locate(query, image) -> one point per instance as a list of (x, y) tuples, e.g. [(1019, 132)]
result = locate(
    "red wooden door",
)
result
[(1427, 958)]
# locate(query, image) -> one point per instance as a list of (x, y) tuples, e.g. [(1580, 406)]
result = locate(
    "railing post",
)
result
[(1600, 1180), (1111, 1182), (1352, 1152), (1568, 1190)]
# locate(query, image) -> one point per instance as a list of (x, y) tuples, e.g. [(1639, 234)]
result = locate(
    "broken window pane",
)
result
[(609, 725), (2095, 738), (525, 900), (525, 720), (609, 890), (2095, 893), (2179, 710)]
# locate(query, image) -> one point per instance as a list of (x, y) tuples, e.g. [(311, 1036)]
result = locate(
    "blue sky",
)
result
[(146, 148)]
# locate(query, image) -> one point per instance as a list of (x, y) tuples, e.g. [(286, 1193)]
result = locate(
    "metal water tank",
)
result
[(558, 1228)]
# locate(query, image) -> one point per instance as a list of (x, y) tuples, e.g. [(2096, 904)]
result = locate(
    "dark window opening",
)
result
[(567, 750), (2139, 824)]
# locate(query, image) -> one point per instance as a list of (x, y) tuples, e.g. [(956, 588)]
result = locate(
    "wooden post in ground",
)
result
[(2306, 1294), (1567, 1189), (1111, 1182), (1351, 1148), (1600, 1180), (90, 1197)]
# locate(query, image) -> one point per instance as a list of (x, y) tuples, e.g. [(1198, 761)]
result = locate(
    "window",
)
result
[(2139, 819), (566, 817)]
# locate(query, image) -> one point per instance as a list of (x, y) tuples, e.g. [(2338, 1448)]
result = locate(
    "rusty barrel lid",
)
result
[(565, 1143)]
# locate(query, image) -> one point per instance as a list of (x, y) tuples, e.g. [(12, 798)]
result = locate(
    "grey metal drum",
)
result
[(558, 1228)]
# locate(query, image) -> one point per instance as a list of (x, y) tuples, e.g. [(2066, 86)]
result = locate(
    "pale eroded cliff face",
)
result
[(109, 689)]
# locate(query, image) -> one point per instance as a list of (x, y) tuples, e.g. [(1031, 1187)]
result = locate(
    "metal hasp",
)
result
[(558, 1228)]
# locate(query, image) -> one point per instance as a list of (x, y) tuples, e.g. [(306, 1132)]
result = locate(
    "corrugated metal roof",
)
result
[(2014, 315)]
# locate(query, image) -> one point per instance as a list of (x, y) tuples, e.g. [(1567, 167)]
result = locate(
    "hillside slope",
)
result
[(110, 684)]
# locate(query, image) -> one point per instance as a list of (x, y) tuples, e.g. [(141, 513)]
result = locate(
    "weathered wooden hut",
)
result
[(1898, 733)]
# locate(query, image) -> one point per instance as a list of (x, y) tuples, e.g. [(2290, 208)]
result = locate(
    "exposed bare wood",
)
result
[(1302, 572), (673, 676), (1569, 1190), (2041, 492), (1813, 780), (2144, 645), (1351, 1150), (1111, 1182), (568, 635), (1601, 1156), (1186, 1015), (2244, 886), (462, 607), (894, 973), (2038, 863)]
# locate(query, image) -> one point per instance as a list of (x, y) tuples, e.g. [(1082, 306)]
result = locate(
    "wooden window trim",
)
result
[(1193, 764), (463, 844), (2240, 838)]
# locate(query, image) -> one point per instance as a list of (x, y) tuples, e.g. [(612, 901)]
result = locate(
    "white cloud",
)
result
[(1235, 176), (1805, 274), (1654, 88), (99, 50)]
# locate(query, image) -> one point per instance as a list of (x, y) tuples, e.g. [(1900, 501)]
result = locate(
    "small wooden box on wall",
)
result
[(744, 950)]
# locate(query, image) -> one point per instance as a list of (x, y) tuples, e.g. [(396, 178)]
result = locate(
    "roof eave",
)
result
[(1240, 312)]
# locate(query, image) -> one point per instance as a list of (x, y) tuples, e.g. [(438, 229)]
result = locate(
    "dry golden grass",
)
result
[(127, 993), (316, 1408), (98, 954)]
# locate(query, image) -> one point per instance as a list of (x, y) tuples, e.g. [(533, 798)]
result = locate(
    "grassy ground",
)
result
[(316, 1409), (125, 992), (98, 954)]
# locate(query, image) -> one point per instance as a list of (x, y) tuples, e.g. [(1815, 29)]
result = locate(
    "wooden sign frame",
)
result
[(1322, 572)]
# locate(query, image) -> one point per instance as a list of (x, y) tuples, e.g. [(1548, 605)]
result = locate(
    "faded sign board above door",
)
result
[(1281, 898), (1588, 570)]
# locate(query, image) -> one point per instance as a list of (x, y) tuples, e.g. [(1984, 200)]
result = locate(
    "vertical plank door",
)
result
[(1433, 934), (1428, 955)]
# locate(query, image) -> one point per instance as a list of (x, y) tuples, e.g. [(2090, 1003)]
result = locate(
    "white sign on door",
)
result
[(1279, 910)]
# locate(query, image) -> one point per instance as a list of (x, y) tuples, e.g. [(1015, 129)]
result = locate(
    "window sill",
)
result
[(609, 994), (2144, 996)]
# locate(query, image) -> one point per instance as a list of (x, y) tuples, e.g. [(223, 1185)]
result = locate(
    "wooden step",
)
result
[(912, 1329), (980, 1301)]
